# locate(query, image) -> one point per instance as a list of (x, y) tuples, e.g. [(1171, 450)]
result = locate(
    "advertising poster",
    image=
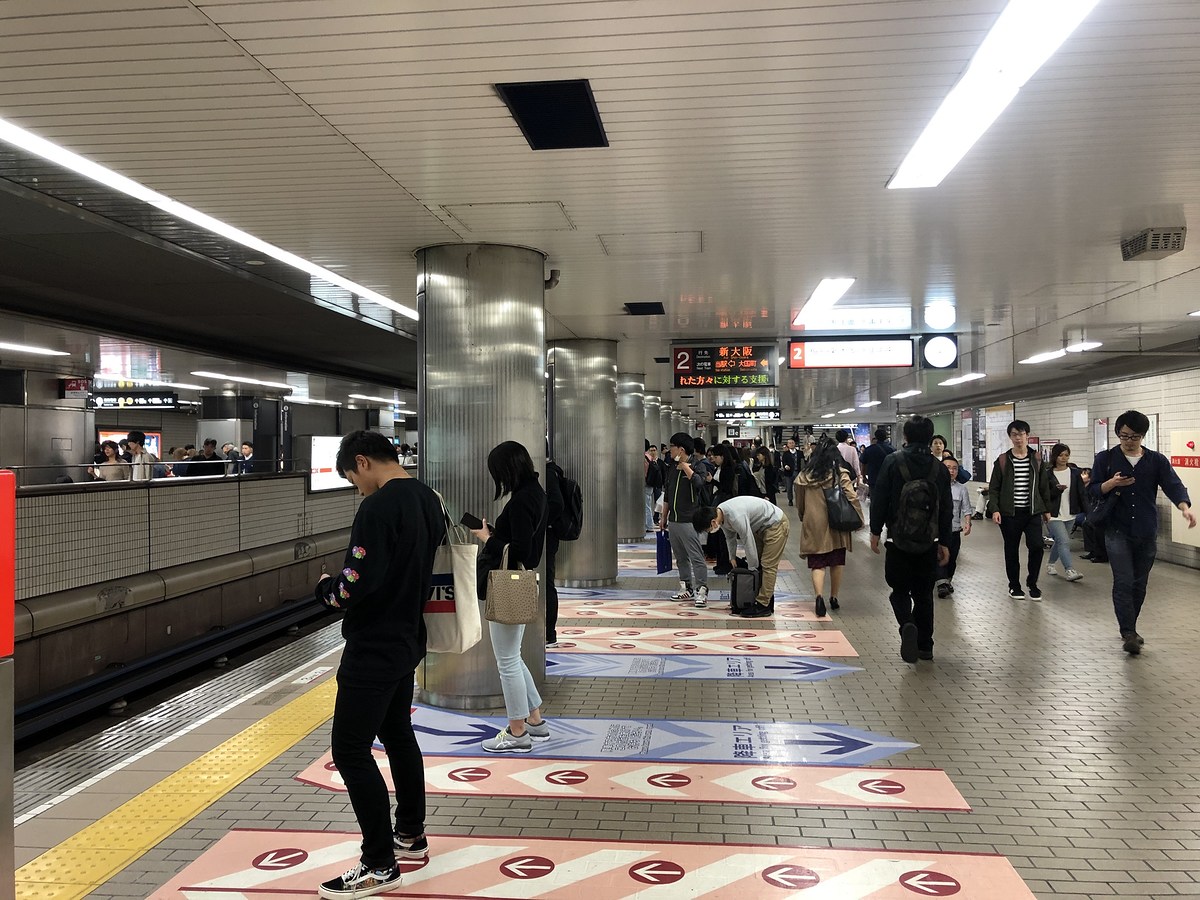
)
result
[(1185, 457)]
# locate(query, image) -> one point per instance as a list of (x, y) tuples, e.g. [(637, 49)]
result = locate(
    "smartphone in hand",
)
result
[(472, 522)]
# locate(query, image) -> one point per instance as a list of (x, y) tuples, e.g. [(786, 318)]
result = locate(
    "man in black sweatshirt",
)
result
[(912, 498), (383, 587)]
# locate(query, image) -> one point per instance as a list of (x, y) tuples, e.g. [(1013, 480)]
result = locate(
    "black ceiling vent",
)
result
[(645, 309), (662, 359), (555, 115)]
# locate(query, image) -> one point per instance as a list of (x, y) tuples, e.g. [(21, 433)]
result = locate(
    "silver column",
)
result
[(653, 404), (585, 423), (676, 424), (664, 418), (631, 456), (481, 380)]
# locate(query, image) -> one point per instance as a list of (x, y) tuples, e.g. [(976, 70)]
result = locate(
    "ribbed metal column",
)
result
[(664, 419), (631, 446), (585, 422), (676, 425), (653, 405), (481, 380)]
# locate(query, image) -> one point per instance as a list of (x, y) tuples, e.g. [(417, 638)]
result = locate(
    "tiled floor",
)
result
[(1081, 764)]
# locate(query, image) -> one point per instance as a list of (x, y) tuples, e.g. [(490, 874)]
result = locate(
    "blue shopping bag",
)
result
[(664, 552)]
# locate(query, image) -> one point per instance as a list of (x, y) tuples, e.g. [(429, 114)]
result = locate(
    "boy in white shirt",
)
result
[(962, 526)]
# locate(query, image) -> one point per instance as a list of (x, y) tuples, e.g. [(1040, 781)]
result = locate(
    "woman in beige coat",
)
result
[(820, 545)]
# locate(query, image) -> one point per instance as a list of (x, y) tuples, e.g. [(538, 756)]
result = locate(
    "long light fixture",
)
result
[(905, 395), (1038, 358), (1083, 345), (240, 380), (151, 382), (842, 412), (388, 400), (26, 140), (36, 351), (1025, 35), (821, 301), (970, 376), (828, 415), (869, 404), (309, 401)]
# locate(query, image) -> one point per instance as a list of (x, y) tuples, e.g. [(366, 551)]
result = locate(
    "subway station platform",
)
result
[(693, 755)]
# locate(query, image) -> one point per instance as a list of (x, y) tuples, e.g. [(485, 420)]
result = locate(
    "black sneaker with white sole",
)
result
[(1016, 593), (415, 847), (360, 881)]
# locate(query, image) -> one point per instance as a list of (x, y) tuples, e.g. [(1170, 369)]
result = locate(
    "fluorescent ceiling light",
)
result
[(308, 401), (1048, 356), (828, 415), (970, 376), (828, 292), (841, 412), (940, 314), (1025, 35), (1196, 313), (36, 351), (388, 400), (905, 395), (47, 150), (1083, 345), (239, 380), (150, 382), (869, 404)]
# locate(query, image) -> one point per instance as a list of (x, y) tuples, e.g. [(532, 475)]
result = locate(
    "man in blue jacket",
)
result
[(1134, 474)]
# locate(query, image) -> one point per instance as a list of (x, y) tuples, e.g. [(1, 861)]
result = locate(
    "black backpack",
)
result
[(915, 528), (570, 524), (654, 475)]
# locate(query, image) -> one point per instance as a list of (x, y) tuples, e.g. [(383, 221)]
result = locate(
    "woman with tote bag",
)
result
[(821, 545), (517, 539)]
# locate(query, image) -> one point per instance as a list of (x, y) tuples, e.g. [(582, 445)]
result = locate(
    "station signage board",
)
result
[(75, 388), (851, 353), (135, 400), (766, 413), (724, 366), (733, 431)]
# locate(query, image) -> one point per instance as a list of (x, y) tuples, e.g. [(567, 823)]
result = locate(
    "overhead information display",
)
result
[(725, 366), (851, 354)]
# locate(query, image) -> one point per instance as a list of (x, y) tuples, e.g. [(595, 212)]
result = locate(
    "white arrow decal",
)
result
[(638, 780), (526, 867), (538, 778), (438, 778), (563, 876), (862, 881), (331, 856), (848, 786), (655, 872), (921, 881), (776, 784), (790, 877), (284, 861)]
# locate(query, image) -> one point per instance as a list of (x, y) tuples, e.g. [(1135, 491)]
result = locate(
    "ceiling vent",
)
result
[(1153, 243), (662, 359), (555, 115), (645, 309)]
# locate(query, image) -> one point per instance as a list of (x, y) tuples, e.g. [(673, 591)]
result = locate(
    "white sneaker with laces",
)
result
[(684, 592), (507, 742), (1072, 575), (1050, 570), (702, 597)]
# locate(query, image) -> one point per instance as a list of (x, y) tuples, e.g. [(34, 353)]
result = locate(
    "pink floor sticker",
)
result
[(718, 609), (705, 641), (827, 786), (632, 561), (285, 864)]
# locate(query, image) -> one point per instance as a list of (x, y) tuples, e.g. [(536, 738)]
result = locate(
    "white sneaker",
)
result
[(507, 742), (1050, 570), (684, 593), (702, 597), (1072, 575)]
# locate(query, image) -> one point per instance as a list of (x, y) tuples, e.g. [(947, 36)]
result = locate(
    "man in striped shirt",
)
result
[(1016, 503)]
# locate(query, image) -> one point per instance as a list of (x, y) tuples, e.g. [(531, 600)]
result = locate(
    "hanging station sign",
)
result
[(851, 353), (725, 366), (135, 400)]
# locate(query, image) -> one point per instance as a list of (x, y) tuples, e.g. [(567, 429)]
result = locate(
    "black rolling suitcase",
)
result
[(743, 589)]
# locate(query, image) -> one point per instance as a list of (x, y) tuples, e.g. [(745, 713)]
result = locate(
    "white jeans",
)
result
[(520, 693)]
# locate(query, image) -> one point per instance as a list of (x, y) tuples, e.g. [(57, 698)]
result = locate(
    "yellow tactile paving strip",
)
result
[(85, 861)]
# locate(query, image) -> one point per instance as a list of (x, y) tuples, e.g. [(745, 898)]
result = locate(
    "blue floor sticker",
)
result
[(446, 733), (765, 668)]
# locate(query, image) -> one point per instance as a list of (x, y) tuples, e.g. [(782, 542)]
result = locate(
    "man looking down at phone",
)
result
[(384, 585), (1135, 474)]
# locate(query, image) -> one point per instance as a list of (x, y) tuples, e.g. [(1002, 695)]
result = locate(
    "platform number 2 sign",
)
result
[(684, 361)]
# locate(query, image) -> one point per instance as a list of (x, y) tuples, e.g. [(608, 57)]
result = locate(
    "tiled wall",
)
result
[(73, 539), (1052, 419)]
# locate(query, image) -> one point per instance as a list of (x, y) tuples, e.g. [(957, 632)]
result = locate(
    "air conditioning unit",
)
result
[(1153, 243)]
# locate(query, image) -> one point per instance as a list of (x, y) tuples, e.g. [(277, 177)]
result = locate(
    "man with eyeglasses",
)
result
[(1135, 474)]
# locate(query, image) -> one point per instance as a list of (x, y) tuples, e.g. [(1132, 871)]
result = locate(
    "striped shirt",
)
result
[(1022, 482)]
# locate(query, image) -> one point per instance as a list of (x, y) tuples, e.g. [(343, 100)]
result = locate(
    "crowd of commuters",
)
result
[(131, 460)]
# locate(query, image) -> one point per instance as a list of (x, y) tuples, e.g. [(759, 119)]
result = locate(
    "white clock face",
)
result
[(940, 352)]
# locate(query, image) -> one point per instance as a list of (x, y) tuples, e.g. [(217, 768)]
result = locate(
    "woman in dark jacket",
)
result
[(1063, 488), (721, 487), (521, 526), (766, 476)]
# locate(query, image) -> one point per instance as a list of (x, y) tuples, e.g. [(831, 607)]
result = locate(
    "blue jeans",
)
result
[(649, 495), (520, 693), (1062, 543), (1131, 559)]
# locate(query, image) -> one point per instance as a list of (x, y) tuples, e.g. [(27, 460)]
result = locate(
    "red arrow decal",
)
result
[(791, 877), (527, 867)]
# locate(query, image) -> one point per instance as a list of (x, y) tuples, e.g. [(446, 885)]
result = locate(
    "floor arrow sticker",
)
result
[(615, 665), (511, 867), (704, 641), (787, 612), (525, 776)]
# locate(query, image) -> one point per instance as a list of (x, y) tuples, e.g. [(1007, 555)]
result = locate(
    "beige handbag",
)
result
[(512, 594)]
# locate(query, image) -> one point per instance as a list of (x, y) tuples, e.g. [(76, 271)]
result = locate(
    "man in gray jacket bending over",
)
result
[(762, 528), (682, 493)]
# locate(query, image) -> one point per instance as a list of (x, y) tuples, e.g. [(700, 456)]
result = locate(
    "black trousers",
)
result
[(363, 711), (911, 577), (1012, 528), (551, 590), (953, 545), (718, 549)]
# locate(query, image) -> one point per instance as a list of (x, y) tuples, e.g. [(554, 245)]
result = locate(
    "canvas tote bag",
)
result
[(452, 622), (512, 594)]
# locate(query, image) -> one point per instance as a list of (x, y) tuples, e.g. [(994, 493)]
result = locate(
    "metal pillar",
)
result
[(665, 430), (481, 380), (653, 405), (676, 424), (631, 444), (585, 422)]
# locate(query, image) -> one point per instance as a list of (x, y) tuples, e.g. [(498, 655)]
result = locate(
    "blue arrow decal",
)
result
[(842, 742), (476, 732)]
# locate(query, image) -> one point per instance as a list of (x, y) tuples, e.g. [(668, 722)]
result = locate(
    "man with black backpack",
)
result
[(564, 521), (912, 498)]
